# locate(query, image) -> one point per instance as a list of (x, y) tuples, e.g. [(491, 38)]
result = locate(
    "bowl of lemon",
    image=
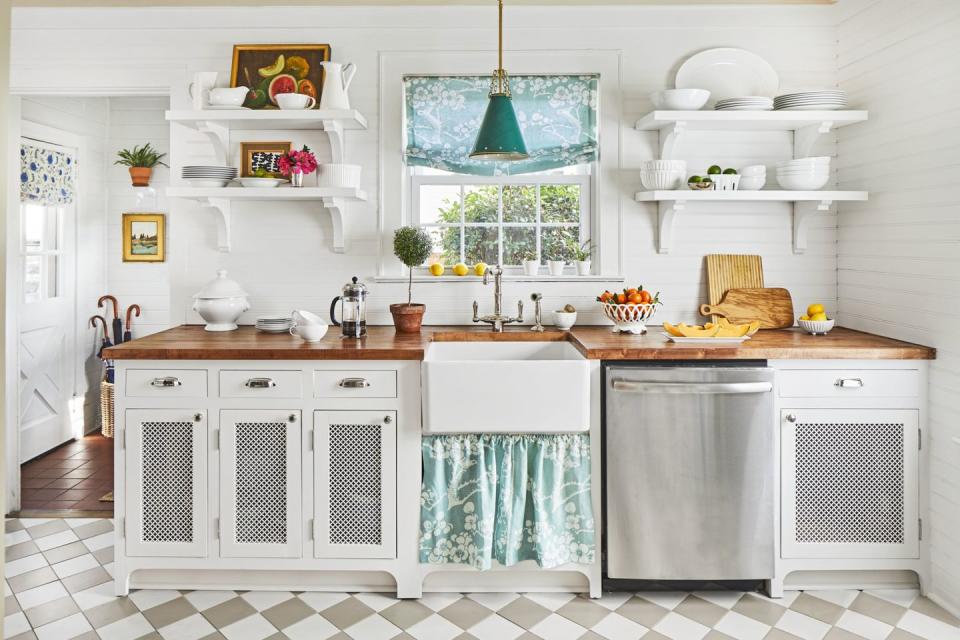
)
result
[(815, 321)]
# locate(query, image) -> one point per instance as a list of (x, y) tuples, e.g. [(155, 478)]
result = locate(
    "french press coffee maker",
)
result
[(353, 310)]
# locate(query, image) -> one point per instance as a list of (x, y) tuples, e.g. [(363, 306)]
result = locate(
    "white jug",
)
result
[(336, 81)]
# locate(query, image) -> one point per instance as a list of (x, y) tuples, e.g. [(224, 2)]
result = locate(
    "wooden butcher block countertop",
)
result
[(191, 342)]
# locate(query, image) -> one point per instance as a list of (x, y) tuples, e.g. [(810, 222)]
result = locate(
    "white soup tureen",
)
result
[(221, 302)]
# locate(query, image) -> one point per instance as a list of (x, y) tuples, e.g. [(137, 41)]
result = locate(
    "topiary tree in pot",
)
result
[(412, 246)]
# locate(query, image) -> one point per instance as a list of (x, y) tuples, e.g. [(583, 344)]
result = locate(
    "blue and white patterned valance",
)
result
[(47, 176), (557, 115)]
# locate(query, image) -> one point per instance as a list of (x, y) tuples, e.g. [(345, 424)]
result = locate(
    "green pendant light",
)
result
[(500, 137)]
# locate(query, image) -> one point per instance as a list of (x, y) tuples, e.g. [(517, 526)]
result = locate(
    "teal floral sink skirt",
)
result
[(507, 498)]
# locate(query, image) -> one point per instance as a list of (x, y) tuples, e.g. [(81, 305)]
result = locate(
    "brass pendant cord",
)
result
[(500, 46)]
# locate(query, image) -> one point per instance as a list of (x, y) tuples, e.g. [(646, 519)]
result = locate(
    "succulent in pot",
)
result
[(221, 302), (141, 161), (412, 246)]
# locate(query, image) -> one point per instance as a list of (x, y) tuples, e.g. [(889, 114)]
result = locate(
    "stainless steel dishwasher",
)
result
[(689, 480)]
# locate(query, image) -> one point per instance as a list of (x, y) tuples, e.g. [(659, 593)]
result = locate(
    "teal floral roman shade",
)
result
[(46, 175), (557, 115), (507, 498)]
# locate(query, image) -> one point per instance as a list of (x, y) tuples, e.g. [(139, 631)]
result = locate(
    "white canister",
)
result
[(338, 175), (221, 302)]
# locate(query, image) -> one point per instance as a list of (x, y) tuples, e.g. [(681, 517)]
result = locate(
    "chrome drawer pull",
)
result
[(167, 381), (849, 383), (353, 383), (260, 383)]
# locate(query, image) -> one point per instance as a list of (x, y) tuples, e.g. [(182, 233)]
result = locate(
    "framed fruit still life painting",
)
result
[(269, 69)]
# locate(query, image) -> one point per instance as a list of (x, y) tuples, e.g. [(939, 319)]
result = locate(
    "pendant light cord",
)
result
[(500, 45)]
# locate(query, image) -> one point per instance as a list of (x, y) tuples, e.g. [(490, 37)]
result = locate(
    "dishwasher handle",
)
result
[(696, 388)]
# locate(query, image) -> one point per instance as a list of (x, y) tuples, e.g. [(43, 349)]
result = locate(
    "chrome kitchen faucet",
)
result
[(497, 319)]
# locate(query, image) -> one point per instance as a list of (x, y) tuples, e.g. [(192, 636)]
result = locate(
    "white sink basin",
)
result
[(505, 387)]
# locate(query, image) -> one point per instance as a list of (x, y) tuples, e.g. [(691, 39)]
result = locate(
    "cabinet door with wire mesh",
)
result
[(260, 484), (166, 470), (850, 483), (355, 491)]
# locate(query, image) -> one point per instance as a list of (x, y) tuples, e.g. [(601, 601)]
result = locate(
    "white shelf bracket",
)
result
[(338, 220), (221, 209), (667, 212), (670, 137), (805, 137), (219, 137), (334, 131), (802, 213)]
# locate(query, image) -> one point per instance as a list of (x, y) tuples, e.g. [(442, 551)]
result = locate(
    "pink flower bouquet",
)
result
[(294, 162)]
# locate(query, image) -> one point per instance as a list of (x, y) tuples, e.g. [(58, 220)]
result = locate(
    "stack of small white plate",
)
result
[(208, 176), (804, 174), (746, 103), (826, 100), (274, 324)]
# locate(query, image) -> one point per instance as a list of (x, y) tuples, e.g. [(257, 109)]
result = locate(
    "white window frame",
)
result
[(58, 253), (585, 182)]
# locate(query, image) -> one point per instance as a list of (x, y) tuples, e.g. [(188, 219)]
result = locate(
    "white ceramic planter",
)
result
[(531, 267), (556, 267), (583, 267)]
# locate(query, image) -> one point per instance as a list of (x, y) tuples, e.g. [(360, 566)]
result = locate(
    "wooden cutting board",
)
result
[(773, 307), (725, 272)]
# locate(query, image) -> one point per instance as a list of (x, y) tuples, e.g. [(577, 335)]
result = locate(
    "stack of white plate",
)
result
[(826, 100), (208, 176), (746, 103), (274, 324), (804, 174)]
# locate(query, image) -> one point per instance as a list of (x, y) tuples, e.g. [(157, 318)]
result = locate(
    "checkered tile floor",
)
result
[(58, 586)]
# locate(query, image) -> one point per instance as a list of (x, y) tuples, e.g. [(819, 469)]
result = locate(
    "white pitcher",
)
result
[(336, 81)]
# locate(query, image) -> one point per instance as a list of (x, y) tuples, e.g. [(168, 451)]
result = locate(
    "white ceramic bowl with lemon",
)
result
[(815, 321)]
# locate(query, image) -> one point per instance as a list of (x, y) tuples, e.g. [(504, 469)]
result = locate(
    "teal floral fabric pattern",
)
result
[(557, 115), (506, 498), (46, 175)]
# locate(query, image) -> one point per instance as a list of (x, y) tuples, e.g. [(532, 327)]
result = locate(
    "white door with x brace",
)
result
[(47, 305)]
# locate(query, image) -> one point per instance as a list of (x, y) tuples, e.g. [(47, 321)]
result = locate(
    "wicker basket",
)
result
[(106, 408)]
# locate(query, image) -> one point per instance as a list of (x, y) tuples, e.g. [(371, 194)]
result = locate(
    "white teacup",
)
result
[(309, 332), (295, 101), (300, 316), (228, 97)]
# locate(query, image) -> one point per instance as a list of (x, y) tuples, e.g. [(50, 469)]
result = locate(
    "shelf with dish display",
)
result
[(805, 203), (220, 199)]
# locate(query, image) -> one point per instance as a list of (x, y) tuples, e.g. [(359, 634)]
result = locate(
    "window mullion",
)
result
[(463, 220), (538, 224), (500, 225)]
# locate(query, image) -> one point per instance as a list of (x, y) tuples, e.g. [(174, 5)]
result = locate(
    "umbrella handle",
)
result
[(93, 323), (136, 311), (113, 300)]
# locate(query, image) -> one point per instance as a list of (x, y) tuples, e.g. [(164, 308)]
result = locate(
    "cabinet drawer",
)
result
[(853, 383), (260, 384), (166, 383), (355, 384)]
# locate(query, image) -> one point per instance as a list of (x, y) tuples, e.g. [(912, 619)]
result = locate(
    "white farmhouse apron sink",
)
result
[(505, 387)]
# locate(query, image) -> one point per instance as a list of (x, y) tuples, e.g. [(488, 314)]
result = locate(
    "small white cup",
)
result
[(564, 320), (309, 332), (302, 317), (295, 101)]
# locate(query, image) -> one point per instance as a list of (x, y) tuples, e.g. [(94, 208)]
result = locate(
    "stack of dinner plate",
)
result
[(274, 324), (825, 100), (208, 176), (746, 103)]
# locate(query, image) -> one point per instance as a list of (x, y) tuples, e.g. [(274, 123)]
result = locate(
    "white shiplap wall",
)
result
[(282, 254), (899, 254)]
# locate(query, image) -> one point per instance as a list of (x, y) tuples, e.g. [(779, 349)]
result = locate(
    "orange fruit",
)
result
[(307, 88), (621, 298), (645, 295), (635, 298)]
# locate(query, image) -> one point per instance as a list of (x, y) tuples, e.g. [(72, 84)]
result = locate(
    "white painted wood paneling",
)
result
[(899, 253)]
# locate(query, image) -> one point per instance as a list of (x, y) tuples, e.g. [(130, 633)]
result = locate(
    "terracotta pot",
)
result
[(140, 176), (408, 317)]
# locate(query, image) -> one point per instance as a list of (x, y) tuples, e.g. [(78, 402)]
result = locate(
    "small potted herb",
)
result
[(141, 161), (412, 246), (581, 256), (531, 266)]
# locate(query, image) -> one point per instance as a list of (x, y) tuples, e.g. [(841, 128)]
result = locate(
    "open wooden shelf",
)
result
[(264, 119)]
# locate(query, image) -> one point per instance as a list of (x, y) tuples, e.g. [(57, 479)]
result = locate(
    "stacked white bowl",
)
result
[(662, 174), (753, 178), (680, 99), (804, 174)]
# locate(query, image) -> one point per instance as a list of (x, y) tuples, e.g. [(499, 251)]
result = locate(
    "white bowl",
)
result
[(629, 318), (207, 182), (221, 314), (666, 180), (663, 165), (680, 99), (338, 175), (260, 183), (802, 183), (752, 183), (754, 170), (817, 327), (564, 319)]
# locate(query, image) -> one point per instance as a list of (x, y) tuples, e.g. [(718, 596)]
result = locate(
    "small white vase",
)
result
[(531, 267), (583, 267), (556, 267)]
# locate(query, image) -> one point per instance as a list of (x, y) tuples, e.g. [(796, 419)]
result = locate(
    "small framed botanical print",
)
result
[(262, 155), (144, 237)]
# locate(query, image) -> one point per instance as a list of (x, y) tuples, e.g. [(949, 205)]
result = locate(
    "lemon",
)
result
[(814, 309), (805, 317), (436, 269), (460, 269), (480, 268), (819, 317)]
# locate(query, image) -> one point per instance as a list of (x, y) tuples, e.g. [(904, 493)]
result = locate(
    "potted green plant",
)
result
[(531, 266), (580, 253), (141, 161), (412, 246)]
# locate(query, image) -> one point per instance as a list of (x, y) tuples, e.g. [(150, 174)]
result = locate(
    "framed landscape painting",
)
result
[(269, 69), (144, 237)]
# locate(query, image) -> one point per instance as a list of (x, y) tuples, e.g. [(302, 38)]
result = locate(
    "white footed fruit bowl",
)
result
[(629, 318), (817, 327)]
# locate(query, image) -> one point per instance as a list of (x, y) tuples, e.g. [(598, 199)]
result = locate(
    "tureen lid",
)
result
[(221, 287)]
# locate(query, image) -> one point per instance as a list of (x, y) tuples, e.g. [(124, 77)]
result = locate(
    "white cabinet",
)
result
[(355, 477), (850, 483), (260, 483), (166, 489)]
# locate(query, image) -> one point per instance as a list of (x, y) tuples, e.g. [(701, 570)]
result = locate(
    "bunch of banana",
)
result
[(722, 329)]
